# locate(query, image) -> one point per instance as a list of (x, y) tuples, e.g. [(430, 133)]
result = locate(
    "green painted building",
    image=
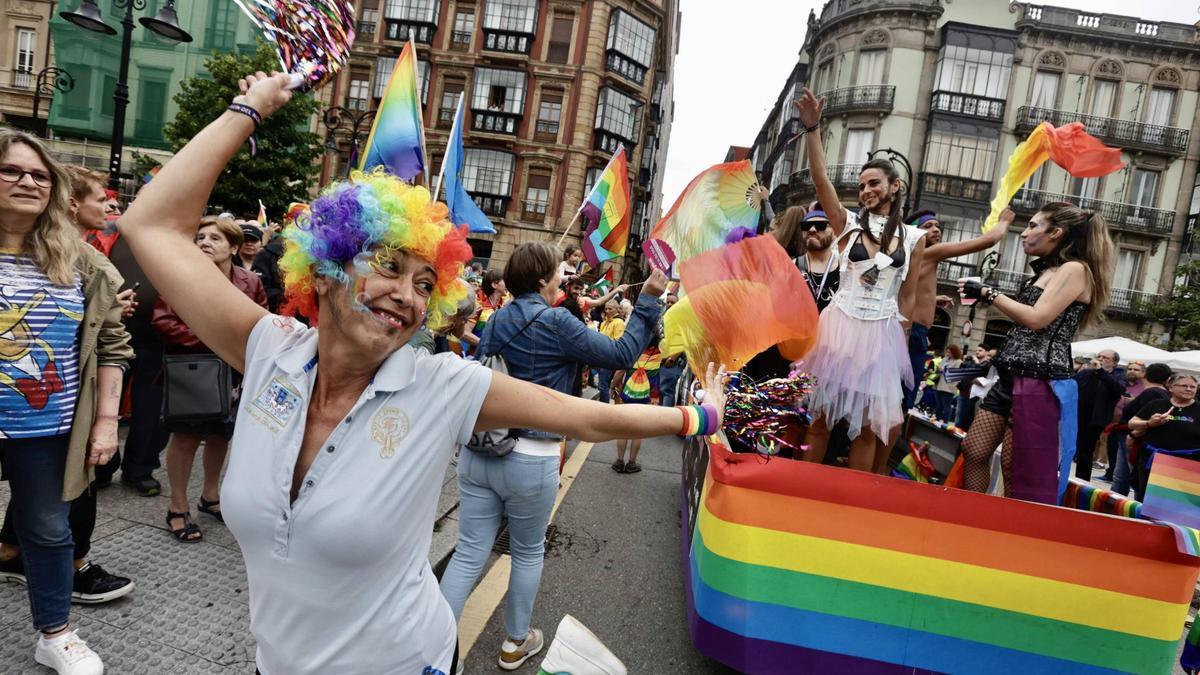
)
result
[(156, 67)]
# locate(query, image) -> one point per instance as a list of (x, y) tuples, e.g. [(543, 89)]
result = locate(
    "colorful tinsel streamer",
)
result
[(759, 414), (312, 38), (1069, 146)]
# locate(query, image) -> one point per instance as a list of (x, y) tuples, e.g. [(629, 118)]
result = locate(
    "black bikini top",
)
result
[(858, 252)]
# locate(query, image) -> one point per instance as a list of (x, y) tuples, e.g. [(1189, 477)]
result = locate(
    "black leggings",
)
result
[(82, 520)]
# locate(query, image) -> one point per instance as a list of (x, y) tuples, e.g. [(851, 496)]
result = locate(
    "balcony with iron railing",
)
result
[(1008, 281), (495, 122), (616, 62), (495, 206), (1171, 141), (399, 29), (1111, 25), (949, 272), (843, 176), (460, 41), (1127, 217), (968, 105), (874, 98), (546, 130), (1130, 303), (512, 42), (533, 211), (22, 79), (956, 187)]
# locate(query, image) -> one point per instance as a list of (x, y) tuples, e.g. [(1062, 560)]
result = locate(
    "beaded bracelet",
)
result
[(698, 420)]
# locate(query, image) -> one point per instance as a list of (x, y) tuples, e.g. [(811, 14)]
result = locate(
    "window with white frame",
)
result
[(1104, 96), (488, 171), (589, 182), (386, 65), (631, 36), (369, 22), (870, 67), (1159, 105), (499, 90), (537, 195), (1012, 256), (464, 27), (968, 70), (962, 155), (26, 44), (360, 91), (823, 82), (1129, 268), (420, 11), (513, 16), (1143, 187), (616, 113), (1085, 188), (859, 143), (549, 113)]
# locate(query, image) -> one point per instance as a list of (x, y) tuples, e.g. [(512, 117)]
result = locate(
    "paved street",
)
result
[(614, 564)]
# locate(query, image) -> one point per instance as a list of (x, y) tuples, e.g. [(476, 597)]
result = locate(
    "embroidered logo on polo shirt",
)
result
[(389, 426), (278, 401)]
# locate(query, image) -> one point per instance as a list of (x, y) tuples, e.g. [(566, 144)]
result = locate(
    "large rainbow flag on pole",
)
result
[(397, 139), (801, 568), (606, 211)]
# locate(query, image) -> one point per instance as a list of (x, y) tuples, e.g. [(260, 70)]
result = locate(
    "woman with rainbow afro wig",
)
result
[(344, 433)]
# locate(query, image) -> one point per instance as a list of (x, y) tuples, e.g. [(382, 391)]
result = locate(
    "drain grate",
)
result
[(502, 543)]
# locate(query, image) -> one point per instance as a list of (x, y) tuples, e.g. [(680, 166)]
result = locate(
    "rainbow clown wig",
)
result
[(361, 215)]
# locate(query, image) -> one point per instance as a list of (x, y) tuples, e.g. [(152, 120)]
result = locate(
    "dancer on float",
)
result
[(925, 306), (343, 435), (1073, 270), (860, 360)]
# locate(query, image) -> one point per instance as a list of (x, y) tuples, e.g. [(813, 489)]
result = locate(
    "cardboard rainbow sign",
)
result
[(795, 567)]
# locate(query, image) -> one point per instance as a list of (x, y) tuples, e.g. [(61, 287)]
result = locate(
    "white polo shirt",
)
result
[(340, 580)]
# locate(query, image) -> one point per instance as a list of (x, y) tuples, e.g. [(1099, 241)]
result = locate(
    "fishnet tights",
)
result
[(987, 431)]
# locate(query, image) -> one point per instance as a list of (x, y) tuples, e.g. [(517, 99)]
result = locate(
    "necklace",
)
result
[(817, 290)]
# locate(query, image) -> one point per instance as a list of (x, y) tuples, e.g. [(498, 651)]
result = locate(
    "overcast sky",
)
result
[(733, 62)]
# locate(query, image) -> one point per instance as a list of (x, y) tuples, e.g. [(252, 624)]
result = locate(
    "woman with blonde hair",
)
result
[(1035, 394), (61, 361)]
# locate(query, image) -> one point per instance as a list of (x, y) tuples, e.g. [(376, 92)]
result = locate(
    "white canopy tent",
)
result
[(1131, 350)]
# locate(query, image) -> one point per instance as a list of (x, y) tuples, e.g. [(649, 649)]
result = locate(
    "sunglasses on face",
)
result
[(818, 225), (13, 174)]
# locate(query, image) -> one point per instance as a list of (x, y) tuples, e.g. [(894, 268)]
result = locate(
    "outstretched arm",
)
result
[(810, 109), (161, 223), (1069, 282), (513, 403), (953, 249)]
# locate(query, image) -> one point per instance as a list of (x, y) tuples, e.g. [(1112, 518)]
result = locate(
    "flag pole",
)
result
[(453, 129), (420, 108), (566, 231)]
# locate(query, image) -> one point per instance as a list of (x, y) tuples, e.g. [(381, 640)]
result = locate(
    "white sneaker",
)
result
[(513, 655), (68, 655), (577, 651)]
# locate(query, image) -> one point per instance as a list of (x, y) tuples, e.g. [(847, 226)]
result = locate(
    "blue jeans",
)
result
[(605, 382), (34, 469), (918, 348), (523, 487), (668, 380), (945, 405), (1122, 473)]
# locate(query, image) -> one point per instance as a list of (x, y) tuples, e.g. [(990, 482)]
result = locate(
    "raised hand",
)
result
[(265, 93), (810, 108)]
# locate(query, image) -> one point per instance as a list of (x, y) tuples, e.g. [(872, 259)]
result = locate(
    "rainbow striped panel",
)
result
[(1173, 490), (796, 567)]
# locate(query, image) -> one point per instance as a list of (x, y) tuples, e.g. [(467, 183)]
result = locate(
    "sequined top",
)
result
[(1044, 354)]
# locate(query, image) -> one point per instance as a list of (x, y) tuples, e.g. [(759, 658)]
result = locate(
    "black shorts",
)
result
[(999, 399)]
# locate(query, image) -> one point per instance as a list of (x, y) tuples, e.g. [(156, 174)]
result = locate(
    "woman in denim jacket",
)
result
[(544, 345)]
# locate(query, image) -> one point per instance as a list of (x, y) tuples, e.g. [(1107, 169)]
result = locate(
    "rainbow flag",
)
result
[(641, 384), (1087, 497), (397, 140), (1173, 490), (606, 212), (798, 567), (262, 215)]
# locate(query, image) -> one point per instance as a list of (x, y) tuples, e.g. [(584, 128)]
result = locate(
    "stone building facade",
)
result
[(553, 88), (948, 90)]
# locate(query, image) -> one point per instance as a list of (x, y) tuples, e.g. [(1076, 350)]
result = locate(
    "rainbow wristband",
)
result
[(698, 420)]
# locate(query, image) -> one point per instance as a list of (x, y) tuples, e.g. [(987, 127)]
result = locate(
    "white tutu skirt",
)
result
[(859, 367)]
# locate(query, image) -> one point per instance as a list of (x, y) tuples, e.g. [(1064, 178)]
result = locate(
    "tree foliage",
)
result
[(285, 164), (1181, 311)]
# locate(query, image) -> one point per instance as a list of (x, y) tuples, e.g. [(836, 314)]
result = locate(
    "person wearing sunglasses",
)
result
[(925, 305)]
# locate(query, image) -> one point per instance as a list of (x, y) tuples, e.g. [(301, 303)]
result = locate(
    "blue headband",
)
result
[(925, 219), (814, 214)]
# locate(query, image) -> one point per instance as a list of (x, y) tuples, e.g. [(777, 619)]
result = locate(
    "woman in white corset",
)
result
[(861, 359)]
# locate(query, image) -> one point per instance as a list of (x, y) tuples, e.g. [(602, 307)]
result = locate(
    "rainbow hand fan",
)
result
[(312, 38), (720, 202)]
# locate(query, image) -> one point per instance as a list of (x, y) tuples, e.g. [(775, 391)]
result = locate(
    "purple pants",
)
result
[(1035, 422)]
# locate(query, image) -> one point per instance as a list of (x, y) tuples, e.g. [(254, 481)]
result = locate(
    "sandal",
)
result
[(632, 467), (618, 466), (189, 533), (205, 506)]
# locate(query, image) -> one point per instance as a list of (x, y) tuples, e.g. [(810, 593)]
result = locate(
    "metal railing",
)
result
[(869, 98), (956, 186), (949, 272), (968, 105), (1129, 217), (1007, 281), (1128, 27), (495, 122), (1131, 302), (22, 79), (1123, 133), (843, 176)]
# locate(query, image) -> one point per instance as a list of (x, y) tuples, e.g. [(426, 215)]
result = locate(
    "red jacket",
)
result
[(175, 332)]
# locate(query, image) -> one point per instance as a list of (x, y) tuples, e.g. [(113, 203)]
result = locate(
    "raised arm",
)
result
[(600, 301), (512, 403), (1068, 284), (161, 223), (953, 249), (810, 109)]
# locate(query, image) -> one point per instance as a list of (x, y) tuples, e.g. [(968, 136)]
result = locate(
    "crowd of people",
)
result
[(353, 355)]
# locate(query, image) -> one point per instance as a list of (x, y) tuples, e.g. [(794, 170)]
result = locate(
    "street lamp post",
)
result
[(165, 23), (349, 125), (49, 79)]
